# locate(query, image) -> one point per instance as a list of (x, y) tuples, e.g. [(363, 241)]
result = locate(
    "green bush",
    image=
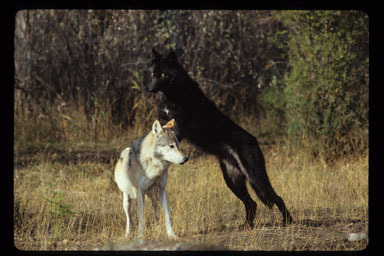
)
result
[(327, 87)]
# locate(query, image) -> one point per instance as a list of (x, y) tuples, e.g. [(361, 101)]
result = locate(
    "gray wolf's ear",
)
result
[(155, 54), (156, 127), (172, 56)]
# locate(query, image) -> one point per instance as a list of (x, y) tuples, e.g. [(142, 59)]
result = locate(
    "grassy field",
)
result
[(65, 199)]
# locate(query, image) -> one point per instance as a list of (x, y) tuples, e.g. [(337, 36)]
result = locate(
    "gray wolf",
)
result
[(143, 169), (199, 121)]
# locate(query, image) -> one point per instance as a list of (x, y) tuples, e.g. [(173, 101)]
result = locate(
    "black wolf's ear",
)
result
[(155, 54), (172, 57), (170, 124)]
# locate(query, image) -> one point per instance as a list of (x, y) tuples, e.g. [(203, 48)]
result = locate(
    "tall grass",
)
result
[(77, 205), (66, 123), (63, 200)]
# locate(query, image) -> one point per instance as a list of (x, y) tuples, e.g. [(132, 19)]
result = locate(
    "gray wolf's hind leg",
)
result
[(126, 205)]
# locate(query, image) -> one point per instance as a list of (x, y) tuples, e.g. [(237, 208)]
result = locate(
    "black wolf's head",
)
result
[(164, 71)]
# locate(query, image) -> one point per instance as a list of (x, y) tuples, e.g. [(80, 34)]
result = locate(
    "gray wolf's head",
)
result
[(166, 145)]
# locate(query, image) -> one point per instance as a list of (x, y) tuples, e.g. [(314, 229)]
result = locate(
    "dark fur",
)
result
[(199, 121)]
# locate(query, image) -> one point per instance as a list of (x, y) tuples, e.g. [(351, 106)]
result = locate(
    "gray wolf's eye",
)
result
[(162, 75), (171, 146), (153, 74)]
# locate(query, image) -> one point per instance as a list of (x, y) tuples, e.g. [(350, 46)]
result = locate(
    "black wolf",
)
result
[(199, 121)]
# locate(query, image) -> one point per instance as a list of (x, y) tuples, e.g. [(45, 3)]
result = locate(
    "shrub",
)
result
[(327, 87)]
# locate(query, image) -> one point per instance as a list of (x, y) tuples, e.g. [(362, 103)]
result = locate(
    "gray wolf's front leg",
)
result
[(168, 223), (140, 212)]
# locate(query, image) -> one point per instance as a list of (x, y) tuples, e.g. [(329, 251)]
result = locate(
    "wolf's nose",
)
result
[(185, 159)]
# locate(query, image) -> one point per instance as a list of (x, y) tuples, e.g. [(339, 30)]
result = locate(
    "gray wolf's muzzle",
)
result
[(185, 159)]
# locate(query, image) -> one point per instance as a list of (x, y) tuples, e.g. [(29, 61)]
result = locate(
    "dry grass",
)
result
[(69, 201), (65, 196)]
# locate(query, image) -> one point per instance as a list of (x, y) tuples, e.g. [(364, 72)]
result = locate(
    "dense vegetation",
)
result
[(299, 77)]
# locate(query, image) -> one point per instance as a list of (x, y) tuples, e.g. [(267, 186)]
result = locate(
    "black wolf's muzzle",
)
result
[(154, 86)]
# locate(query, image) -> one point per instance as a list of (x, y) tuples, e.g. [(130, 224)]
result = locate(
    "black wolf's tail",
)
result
[(264, 191), (251, 163), (263, 188), (253, 166)]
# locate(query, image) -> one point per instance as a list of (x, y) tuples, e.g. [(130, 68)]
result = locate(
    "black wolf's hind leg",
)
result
[(235, 180)]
